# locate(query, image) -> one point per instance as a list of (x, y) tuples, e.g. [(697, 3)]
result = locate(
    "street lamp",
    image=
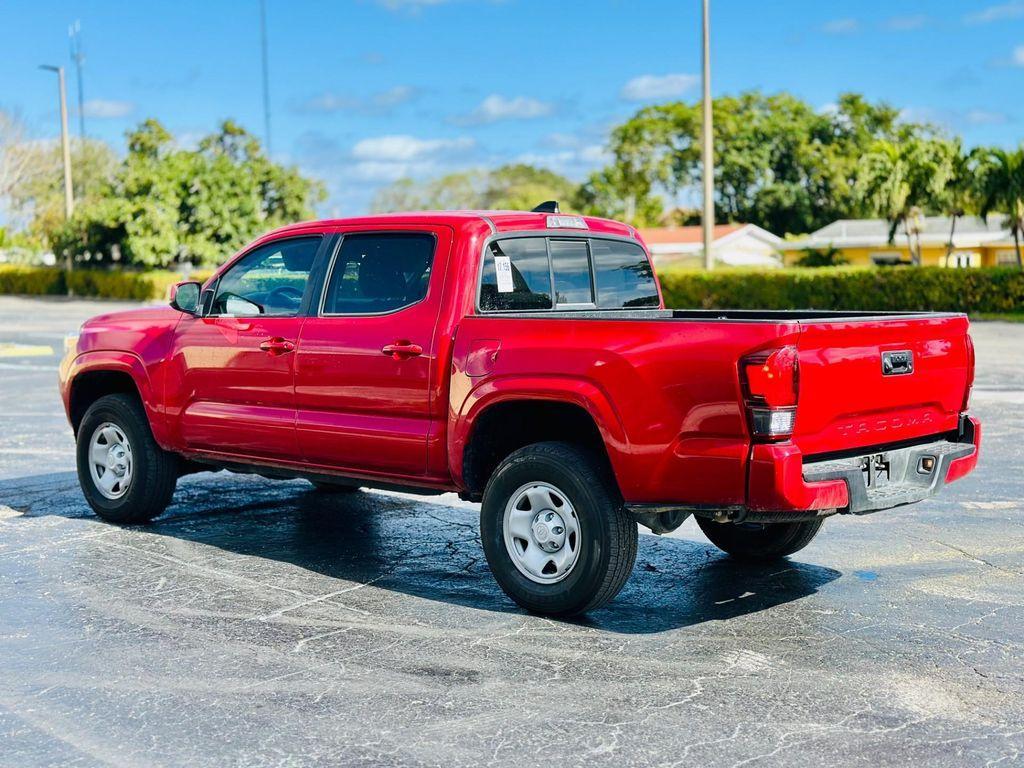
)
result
[(707, 145), (69, 200)]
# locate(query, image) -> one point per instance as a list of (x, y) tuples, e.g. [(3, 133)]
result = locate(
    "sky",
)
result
[(364, 92)]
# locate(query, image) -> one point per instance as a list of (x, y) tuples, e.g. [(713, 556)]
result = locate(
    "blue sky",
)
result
[(366, 91)]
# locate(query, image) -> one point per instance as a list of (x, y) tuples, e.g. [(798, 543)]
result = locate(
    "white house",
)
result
[(734, 245)]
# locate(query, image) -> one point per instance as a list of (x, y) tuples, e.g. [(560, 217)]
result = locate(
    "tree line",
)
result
[(780, 163)]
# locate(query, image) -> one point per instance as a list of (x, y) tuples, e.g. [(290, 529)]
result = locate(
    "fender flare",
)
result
[(569, 390), (129, 363)]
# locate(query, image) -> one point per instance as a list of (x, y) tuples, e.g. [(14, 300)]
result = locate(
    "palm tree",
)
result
[(1001, 188), (958, 193), (897, 180)]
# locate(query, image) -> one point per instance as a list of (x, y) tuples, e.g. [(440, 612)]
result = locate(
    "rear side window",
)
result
[(379, 273), (624, 276), (516, 275), (570, 263)]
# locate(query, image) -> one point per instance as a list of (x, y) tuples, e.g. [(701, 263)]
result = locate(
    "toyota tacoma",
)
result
[(526, 361)]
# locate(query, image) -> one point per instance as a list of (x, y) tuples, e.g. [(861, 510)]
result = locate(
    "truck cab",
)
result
[(524, 360)]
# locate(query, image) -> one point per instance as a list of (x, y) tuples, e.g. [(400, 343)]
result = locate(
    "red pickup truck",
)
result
[(526, 361)]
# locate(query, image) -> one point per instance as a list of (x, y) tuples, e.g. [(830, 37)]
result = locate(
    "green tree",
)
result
[(607, 193), (779, 162), (35, 197), (1001, 188), (825, 257), (899, 180), (510, 187), (520, 187), (959, 193), (167, 205)]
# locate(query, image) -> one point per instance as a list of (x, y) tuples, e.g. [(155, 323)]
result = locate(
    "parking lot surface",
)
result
[(258, 623)]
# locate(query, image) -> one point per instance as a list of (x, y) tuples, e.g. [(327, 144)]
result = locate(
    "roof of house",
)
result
[(852, 233), (690, 234), (668, 244)]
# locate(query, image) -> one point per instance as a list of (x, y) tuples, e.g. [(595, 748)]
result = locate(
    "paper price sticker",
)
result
[(503, 269)]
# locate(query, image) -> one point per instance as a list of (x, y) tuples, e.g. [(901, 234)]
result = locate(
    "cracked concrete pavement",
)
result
[(258, 623)]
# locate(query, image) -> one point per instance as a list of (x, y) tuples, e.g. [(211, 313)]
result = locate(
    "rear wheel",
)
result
[(125, 476), (554, 530), (760, 541)]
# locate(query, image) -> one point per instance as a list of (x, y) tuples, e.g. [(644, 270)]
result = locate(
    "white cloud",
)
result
[(985, 117), (646, 87), (1018, 56), (103, 109), (330, 102), (409, 5), (392, 97), (401, 148), (496, 108), (906, 23), (1011, 10), (388, 158), (840, 26)]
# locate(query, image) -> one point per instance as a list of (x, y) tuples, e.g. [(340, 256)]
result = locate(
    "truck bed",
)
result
[(739, 315)]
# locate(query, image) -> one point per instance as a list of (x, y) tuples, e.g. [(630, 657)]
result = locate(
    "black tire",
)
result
[(608, 535), (322, 487), (154, 470), (755, 542)]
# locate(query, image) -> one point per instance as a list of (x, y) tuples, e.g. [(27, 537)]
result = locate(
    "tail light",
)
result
[(771, 383), (970, 374)]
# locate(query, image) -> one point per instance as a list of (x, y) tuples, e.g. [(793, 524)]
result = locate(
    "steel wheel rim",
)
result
[(542, 533), (110, 460)]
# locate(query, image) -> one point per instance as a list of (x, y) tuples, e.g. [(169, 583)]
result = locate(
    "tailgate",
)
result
[(859, 389)]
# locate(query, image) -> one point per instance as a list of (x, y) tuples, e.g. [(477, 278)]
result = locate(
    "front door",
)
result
[(232, 370), (365, 358)]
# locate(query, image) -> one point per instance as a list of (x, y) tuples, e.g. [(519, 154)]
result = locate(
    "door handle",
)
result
[(277, 346), (403, 350)]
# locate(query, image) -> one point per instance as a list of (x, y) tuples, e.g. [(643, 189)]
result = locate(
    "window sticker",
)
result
[(503, 270)]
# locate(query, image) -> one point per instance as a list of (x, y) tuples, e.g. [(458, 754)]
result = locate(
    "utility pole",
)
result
[(69, 200), (78, 56), (266, 74), (707, 147)]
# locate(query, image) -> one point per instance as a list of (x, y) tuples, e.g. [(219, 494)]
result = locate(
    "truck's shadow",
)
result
[(431, 551)]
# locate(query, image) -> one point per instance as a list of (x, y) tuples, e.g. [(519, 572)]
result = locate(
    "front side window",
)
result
[(270, 280), (516, 275), (624, 276), (378, 273)]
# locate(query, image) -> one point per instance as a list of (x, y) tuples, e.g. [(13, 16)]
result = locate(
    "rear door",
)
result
[(365, 357), (879, 381)]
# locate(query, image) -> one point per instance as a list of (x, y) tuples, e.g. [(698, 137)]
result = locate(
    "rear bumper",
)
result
[(780, 480)]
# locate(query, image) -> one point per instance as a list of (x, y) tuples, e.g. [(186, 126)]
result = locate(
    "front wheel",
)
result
[(125, 476), (759, 542), (554, 530)]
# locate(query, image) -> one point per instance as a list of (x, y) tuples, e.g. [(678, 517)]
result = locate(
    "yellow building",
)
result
[(866, 241)]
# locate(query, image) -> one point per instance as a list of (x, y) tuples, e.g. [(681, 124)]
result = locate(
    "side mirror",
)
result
[(185, 297)]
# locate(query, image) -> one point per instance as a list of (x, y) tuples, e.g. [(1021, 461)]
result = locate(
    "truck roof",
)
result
[(500, 221)]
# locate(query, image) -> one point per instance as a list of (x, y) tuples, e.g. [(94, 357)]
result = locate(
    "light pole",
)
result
[(266, 73), (69, 200), (707, 146)]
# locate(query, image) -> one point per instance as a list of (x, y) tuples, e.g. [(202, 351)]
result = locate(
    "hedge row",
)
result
[(975, 291), (995, 290), (97, 283)]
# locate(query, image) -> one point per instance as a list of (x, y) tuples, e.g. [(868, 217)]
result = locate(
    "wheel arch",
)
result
[(498, 422), (96, 375)]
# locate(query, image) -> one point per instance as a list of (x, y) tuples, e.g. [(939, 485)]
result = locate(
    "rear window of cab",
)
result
[(546, 273)]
